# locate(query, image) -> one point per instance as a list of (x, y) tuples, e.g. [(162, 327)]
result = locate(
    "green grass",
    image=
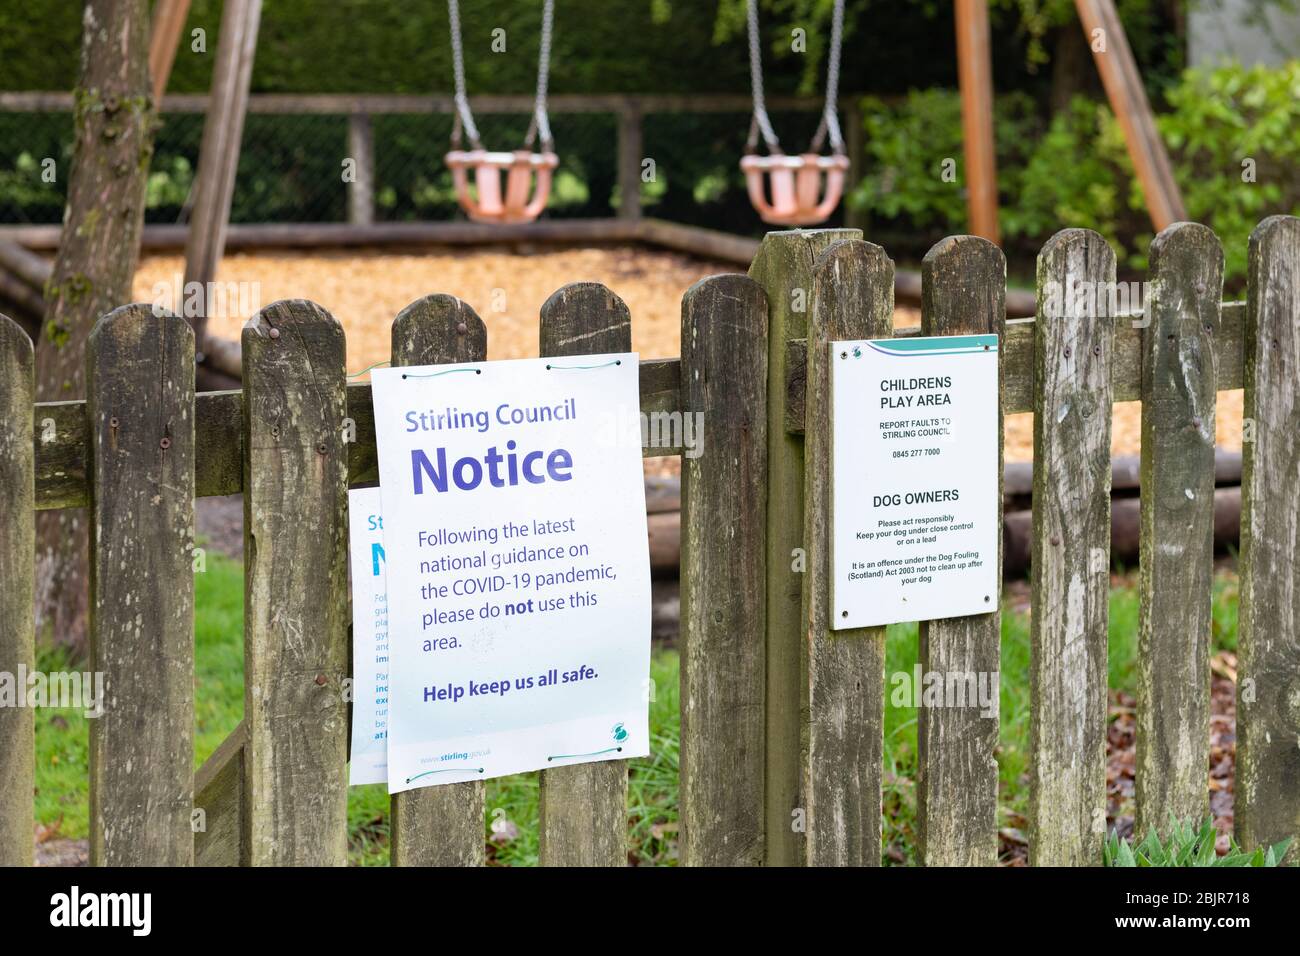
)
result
[(63, 734), (1014, 710), (510, 828), (511, 824)]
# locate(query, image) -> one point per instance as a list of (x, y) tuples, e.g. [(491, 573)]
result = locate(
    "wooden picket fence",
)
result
[(782, 718)]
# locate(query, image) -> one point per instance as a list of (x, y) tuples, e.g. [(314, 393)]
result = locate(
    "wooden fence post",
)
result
[(1268, 676), (630, 149), (361, 150), (295, 587), (855, 143), (439, 826), (853, 298), (1070, 569), (783, 267), (140, 411), (1177, 546), (963, 292), (17, 589), (724, 380), (583, 808)]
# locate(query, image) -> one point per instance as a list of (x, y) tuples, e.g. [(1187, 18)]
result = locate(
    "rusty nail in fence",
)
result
[(461, 328), (274, 333), (112, 422), (321, 680), (322, 448), (164, 443)]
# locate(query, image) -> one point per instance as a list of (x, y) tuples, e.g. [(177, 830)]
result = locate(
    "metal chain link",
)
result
[(830, 123), (463, 115), (761, 123), (541, 122), (830, 119)]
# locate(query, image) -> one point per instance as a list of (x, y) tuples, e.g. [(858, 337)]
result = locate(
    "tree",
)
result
[(98, 252)]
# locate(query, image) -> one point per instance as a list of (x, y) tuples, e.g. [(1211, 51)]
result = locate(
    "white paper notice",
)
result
[(369, 639), (915, 475), (518, 570)]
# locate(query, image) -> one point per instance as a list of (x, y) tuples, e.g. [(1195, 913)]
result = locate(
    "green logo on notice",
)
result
[(619, 733)]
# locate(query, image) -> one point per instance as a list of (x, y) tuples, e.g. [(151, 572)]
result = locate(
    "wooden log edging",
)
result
[(23, 275), (25, 265), (678, 237), (665, 522)]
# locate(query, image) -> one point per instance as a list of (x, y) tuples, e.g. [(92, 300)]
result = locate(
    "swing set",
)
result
[(803, 190), (785, 190), (795, 190), (527, 173)]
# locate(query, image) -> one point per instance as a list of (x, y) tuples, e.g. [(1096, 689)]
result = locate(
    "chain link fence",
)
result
[(291, 166)]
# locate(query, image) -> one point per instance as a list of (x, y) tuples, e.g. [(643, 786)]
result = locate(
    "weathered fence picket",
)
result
[(781, 716), (783, 267), (438, 826), (583, 808), (140, 406), (1070, 567), (963, 292), (17, 588), (852, 298), (1268, 675), (295, 587), (1177, 543), (724, 518)]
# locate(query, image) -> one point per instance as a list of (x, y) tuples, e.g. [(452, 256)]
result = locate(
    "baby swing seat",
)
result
[(794, 184), (527, 186)]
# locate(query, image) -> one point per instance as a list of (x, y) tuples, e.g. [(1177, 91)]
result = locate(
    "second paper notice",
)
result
[(517, 567)]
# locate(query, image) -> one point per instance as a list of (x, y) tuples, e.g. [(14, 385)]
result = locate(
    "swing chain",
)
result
[(830, 124), (541, 123), (464, 117), (760, 122)]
